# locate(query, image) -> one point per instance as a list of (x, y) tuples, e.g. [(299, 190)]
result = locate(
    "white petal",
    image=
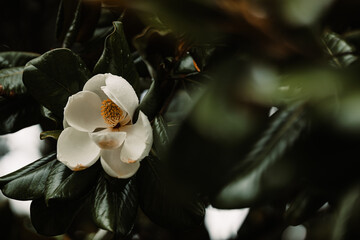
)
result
[(121, 93), (134, 150), (94, 84), (110, 161), (76, 150), (107, 139), (138, 141), (83, 112)]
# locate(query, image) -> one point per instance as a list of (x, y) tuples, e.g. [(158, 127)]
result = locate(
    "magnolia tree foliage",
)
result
[(242, 104)]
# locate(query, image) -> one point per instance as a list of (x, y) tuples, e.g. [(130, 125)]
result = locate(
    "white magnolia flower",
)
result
[(98, 123)]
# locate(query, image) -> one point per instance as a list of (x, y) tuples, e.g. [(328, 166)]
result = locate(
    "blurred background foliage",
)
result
[(253, 104)]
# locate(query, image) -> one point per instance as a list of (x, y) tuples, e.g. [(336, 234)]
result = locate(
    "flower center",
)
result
[(112, 113)]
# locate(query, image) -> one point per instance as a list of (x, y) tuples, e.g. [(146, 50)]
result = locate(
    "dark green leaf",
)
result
[(302, 13), (91, 50), (152, 20), (49, 115), (74, 186), (11, 81), (197, 18), (353, 38), (155, 46), (163, 202), (257, 178), (116, 57), (160, 135), (60, 20), (17, 113), (74, 27), (27, 169), (76, 21), (315, 85), (54, 76), (220, 130), (54, 219), (305, 205), (58, 173), (115, 204), (202, 54), (347, 215), (15, 59), (155, 98), (263, 222), (65, 17), (90, 15), (186, 65), (341, 53), (30, 185), (180, 104), (54, 134)]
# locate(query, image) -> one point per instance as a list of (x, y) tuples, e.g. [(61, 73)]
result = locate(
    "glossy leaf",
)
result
[(11, 81), (64, 18), (202, 55), (27, 169), (114, 204), (59, 73), (74, 27), (155, 98), (49, 115), (341, 53), (155, 46), (256, 178), (73, 186), (57, 174), (30, 185), (15, 59), (263, 222), (161, 138), (76, 21), (17, 113), (116, 57), (305, 205), (186, 65), (54, 219), (165, 203), (347, 215), (180, 104)]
